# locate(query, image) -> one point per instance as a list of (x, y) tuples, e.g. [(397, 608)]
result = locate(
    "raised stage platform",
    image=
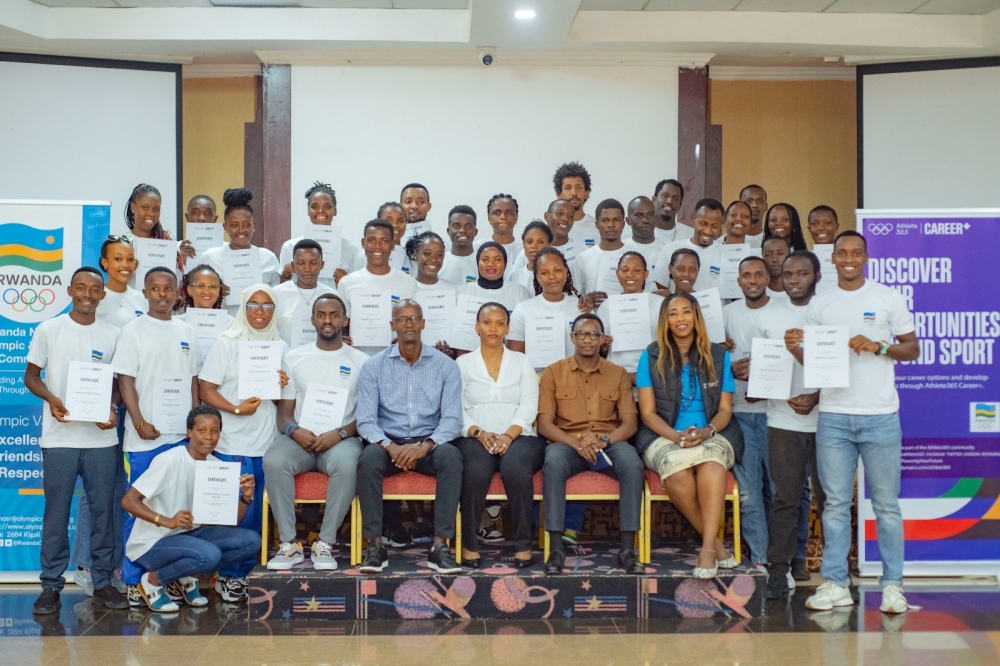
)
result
[(591, 587)]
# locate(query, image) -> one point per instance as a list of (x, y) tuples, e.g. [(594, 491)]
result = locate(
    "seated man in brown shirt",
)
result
[(585, 405)]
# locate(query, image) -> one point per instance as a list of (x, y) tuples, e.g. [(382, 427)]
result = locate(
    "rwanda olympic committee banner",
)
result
[(41, 244), (946, 263)]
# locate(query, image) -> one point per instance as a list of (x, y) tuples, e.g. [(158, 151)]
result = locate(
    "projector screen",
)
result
[(90, 130), (470, 132), (931, 136)]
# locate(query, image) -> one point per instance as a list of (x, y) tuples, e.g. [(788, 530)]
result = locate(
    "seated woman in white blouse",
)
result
[(499, 403)]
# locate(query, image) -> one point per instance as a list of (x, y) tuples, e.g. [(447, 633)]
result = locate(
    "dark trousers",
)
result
[(61, 467), (517, 466), (562, 462), (443, 461), (792, 455)]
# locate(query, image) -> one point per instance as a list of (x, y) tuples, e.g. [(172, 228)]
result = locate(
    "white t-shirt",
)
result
[(526, 277), (338, 369), (168, 487), (741, 325), (879, 313), (755, 240), (630, 359), (708, 273), (294, 312), (649, 251), (777, 295), (514, 249), (537, 306), (400, 285), (459, 270), (509, 295), (119, 309), (584, 233), (57, 342), (351, 259), (241, 435), (781, 316), (664, 236), (201, 345), (571, 250), (148, 347), (589, 265), (270, 270)]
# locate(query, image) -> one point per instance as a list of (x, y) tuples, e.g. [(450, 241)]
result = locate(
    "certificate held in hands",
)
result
[(203, 236), (323, 408), (216, 499), (711, 311), (770, 370), (371, 310), (259, 365), (826, 361), (150, 253), (241, 268), (88, 392), (171, 403), (630, 325), (463, 333)]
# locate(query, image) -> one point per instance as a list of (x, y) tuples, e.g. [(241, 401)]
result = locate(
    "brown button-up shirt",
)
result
[(580, 401)]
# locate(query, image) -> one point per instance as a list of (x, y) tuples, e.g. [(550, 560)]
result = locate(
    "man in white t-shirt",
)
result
[(862, 420), (791, 428), (823, 226), (377, 274), (559, 217), (668, 195), (755, 197), (63, 346), (707, 220), (741, 318), (572, 183), (166, 541), (641, 233), (157, 364), (296, 297), (459, 265), (326, 373), (597, 266)]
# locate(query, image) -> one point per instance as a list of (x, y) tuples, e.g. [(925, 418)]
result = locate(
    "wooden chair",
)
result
[(310, 488)]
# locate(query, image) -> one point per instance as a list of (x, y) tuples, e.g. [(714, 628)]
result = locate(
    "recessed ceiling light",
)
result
[(524, 14)]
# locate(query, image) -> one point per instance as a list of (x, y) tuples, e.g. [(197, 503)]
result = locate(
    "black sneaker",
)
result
[(441, 560), (376, 558), (110, 598), (422, 531), (232, 588), (395, 536), (799, 571), (629, 561), (47, 602), (777, 584)]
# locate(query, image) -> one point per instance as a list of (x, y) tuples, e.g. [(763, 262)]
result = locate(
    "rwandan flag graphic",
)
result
[(37, 249)]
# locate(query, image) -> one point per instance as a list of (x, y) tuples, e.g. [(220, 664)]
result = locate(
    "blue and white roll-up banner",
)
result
[(41, 244)]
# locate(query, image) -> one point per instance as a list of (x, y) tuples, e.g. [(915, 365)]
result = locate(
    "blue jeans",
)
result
[(878, 439), (754, 476), (202, 551)]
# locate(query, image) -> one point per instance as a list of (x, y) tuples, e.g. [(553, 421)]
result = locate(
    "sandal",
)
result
[(706, 573)]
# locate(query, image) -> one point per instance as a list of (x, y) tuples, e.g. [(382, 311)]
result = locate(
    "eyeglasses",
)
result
[(124, 238), (416, 319), (588, 335), (257, 307), (205, 285)]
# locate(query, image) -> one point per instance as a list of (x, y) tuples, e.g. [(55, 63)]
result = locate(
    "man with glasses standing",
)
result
[(587, 413), (409, 410)]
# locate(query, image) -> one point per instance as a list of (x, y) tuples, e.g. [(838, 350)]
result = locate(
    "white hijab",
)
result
[(241, 329)]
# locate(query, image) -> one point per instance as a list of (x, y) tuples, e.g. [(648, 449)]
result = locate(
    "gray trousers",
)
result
[(61, 467), (563, 462), (284, 459)]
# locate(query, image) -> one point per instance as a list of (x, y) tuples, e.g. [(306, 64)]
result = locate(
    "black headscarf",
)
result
[(483, 282)]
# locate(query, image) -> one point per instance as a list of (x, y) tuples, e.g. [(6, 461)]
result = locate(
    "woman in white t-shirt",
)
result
[(491, 258), (536, 237), (142, 216), (502, 211), (426, 252), (249, 426), (632, 275), (556, 296), (121, 303)]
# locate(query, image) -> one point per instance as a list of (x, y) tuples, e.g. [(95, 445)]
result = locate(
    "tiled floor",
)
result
[(958, 625)]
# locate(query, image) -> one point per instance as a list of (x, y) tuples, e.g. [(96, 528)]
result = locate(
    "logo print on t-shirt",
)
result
[(185, 347), (394, 298), (97, 355), (714, 271), (869, 318), (470, 278), (345, 371), (589, 242)]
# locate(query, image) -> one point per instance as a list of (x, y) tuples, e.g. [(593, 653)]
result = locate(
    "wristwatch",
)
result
[(476, 433), (385, 443), (248, 502), (883, 348), (606, 439), (236, 411), (342, 433)]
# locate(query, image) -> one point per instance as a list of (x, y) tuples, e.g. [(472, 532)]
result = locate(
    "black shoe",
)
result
[(376, 558), (799, 571), (629, 561), (110, 598), (441, 560), (556, 562), (473, 564), (777, 584), (422, 531), (524, 564), (47, 602), (395, 536)]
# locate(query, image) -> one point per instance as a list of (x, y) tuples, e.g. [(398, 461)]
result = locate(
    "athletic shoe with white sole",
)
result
[(489, 535), (322, 557), (288, 555), (83, 578), (893, 600), (828, 596), (441, 560), (135, 599), (232, 588), (155, 597), (191, 591), (376, 558)]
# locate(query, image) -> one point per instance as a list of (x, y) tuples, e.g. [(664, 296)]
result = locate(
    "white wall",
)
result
[(89, 134), (470, 132), (932, 139)]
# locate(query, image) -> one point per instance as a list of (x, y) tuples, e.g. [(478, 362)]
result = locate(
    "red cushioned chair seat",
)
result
[(409, 483), (656, 486), (591, 483), (496, 484), (311, 486)]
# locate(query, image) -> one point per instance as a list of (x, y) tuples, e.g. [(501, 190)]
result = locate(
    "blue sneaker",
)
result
[(192, 591), (155, 597)]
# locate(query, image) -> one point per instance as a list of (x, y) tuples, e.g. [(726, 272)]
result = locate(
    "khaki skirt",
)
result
[(666, 458)]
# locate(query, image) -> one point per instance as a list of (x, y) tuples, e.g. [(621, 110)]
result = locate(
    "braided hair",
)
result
[(321, 188), (796, 240), (413, 243), (142, 190), (568, 288), (238, 198), (496, 197), (184, 299)]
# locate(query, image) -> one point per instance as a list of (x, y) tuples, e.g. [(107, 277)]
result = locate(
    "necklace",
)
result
[(118, 298), (304, 297)]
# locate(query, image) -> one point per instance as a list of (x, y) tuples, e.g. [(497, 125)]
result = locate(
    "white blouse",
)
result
[(496, 405)]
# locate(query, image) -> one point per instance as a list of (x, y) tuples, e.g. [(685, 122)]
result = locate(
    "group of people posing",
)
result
[(497, 399)]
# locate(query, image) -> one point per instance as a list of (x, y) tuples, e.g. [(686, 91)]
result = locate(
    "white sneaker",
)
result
[(82, 578), (288, 555), (828, 596), (321, 556), (791, 581), (893, 600)]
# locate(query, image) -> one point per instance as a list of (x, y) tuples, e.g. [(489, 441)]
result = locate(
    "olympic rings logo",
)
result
[(880, 229), (26, 299)]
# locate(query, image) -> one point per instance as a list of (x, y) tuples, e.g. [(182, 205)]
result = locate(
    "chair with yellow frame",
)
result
[(656, 493), (310, 488)]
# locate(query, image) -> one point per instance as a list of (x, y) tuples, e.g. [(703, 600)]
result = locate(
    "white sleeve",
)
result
[(153, 480), (661, 273), (126, 359), (38, 352), (216, 364), (286, 253), (900, 317), (517, 324), (342, 291)]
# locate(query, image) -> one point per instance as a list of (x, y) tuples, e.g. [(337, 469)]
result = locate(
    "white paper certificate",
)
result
[(216, 499), (151, 253), (826, 357), (330, 238), (208, 325), (371, 310), (415, 229), (259, 364), (203, 236), (630, 325), (88, 391), (732, 255), (240, 269), (463, 332), (171, 403), (711, 310), (439, 314), (545, 340), (607, 274), (323, 408), (828, 274), (771, 370)]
